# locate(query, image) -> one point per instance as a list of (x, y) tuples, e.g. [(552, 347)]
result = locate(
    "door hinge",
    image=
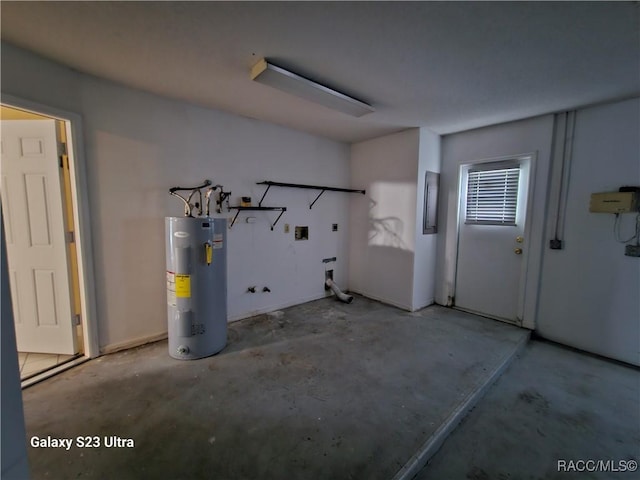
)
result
[(62, 154), (71, 237), (76, 320)]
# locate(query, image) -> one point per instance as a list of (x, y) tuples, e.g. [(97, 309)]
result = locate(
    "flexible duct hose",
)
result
[(342, 296)]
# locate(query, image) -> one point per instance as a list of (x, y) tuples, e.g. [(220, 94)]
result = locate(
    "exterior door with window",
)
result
[(491, 238)]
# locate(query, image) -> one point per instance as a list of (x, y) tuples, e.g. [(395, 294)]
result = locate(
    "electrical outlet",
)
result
[(555, 244), (301, 233), (632, 250)]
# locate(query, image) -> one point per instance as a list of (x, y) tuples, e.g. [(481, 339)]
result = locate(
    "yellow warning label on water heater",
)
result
[(183, 286)]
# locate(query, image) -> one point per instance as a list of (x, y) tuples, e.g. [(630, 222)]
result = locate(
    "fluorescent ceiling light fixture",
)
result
[(274, 76)]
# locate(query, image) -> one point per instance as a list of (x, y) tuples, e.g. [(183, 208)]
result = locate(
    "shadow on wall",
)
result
[(391, 214), (384, 240), (385, 231)]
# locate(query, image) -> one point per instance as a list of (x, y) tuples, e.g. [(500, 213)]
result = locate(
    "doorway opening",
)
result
[(50, 274), (493, 237)]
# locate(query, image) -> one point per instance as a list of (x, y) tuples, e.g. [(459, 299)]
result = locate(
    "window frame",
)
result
[(512, 199)]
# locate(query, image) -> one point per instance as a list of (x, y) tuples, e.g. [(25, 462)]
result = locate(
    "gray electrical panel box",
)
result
[(430, 217)]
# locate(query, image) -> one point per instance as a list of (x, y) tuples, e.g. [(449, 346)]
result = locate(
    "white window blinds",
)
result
[(492, 196)]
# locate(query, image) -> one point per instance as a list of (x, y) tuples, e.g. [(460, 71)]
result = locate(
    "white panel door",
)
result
[(36, 245), (491, 242)]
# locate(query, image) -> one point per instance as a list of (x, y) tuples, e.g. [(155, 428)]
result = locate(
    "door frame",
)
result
[(531, 158), (81, 213)]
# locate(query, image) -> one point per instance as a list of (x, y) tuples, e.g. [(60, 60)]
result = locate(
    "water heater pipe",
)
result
[(187, 207), (187, 201), (198, 204), (342, 296)]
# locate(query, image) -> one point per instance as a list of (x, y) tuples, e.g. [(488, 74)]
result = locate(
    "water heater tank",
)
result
[(196, 254)]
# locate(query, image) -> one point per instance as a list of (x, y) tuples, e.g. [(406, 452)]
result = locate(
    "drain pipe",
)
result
[(342, 296)]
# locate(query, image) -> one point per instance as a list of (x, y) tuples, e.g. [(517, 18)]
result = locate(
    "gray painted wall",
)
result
[(138, 145), (382, 244), (585, 295), (590, 291), (424, 272), (515, 138), (389, 257)]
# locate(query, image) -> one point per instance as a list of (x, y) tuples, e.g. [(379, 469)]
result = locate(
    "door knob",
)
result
[(519, 239), (517, 251)]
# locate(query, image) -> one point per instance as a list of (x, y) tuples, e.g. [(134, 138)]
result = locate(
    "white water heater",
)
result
[(196, 254)]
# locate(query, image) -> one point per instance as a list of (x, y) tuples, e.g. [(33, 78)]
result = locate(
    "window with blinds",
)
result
[(492, 196)]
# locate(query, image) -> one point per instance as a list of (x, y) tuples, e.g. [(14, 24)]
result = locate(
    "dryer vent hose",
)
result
[(342, 296)]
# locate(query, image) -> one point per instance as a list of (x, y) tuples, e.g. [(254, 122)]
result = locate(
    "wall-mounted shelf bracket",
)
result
[(224, 196), (308, 187), (241, 209)]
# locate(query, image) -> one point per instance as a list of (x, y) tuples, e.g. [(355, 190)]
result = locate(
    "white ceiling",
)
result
[(447, 66)]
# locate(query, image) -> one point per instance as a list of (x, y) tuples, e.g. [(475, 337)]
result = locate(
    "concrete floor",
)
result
[(552, 405), (322, 390), (326, 390)]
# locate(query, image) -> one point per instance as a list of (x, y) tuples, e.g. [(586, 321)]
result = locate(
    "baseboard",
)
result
[(428, 303), (383, 300), (51, 372), (271, 308), (136, 342), (537, 336)]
